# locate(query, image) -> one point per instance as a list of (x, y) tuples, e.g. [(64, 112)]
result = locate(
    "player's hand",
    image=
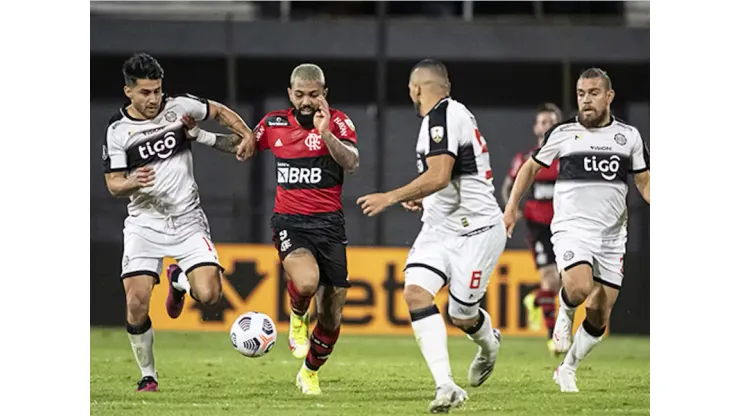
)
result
[(322, 117), (510, 219), (247, 147), (142, 177), (191, 127), (374, 204), (412, 206)]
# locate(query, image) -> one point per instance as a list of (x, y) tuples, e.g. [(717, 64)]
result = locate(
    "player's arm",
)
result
[(341, 149), (123, 184), (642, 182), (224, 142), (543, 157), (640, 158)]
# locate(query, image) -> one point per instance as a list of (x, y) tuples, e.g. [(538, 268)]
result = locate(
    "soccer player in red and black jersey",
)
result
[(314, 145), (538, 212)]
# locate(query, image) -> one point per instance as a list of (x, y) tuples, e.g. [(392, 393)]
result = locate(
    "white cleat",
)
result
[(565, 377), (448, 397), (562, 333), (482, 366)]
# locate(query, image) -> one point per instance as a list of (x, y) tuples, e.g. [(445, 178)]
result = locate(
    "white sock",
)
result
[(181, 282), (485, 337), (564, 308), (431, 335), (143, 346), (583, 343)]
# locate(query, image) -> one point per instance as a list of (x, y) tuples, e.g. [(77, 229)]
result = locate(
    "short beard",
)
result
[(597, 121)]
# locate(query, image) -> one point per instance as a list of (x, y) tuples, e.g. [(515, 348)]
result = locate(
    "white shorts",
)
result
[(604, 256), (147, 240), (465, 262)]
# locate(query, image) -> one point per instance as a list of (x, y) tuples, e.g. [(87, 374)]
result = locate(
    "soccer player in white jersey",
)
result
[(147, 158), (596, 153), (462, 237)]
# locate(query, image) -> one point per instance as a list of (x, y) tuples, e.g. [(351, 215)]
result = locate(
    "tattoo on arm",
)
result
[(227, 142), (345, 155)]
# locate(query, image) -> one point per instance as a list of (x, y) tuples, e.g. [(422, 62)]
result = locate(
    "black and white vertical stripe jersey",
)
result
[(468, 202), (160, 143), (591, 189)]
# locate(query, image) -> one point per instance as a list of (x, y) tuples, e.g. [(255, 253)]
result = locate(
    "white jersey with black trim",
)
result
[(160, 143), (591, 189), (467, 203)]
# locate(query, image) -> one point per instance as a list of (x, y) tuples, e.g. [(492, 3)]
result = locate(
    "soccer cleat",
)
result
[(147, 383), (175, 297), (482, 366), (448, 396), (563, 332), (534, 312), (298, 337), (565, 377), (553, 350), (307, 381)]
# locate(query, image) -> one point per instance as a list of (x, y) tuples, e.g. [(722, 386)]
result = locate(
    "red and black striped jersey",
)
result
[(538, 200), (309, 180)]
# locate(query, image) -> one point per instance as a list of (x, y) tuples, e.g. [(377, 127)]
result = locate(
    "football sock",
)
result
[(545, 299), (298, 303), (585, 340), (322, 344), (180, 281), (431, 335), (482, 333), (565, 304), (142, 342)]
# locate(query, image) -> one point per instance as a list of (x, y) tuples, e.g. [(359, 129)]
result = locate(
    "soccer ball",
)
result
[(253, 334)]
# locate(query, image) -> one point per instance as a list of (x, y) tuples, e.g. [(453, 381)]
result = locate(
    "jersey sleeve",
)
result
[(343, 128), (551, 148), (114, 155), (196, 107), (516, 164), (260, 134), (442, 136), (640, 156)]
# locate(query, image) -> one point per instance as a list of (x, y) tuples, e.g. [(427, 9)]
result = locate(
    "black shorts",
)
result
[(539, 239), (328, 246)]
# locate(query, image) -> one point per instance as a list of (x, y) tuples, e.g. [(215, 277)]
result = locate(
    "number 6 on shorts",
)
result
[(475, 279)]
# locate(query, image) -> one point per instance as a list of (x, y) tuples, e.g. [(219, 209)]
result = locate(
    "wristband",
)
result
[(206, 137)]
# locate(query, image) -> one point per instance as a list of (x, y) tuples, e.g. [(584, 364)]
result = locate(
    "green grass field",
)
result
[(201, 374)]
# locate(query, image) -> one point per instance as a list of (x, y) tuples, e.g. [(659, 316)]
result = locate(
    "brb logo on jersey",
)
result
[(163, 147), (313, 142), (607, 167), (291, 175)]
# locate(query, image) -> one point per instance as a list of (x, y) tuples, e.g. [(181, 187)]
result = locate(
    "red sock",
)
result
[(322, 344), (545, 299), (298, 304)]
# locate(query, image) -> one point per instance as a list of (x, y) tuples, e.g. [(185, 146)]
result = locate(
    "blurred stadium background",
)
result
[(504, 58)]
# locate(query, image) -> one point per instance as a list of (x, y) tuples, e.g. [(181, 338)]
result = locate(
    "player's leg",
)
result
[(550, 284), (198, 271), (299, 262), (331, 255), (575, 263), (472, 264), (599, 304), (140, 269), (534, 313)]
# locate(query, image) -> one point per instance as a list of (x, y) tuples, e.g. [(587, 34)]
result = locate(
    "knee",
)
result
[(137, 305), (210, 293), (306, 284), (550, 278), (578, 289), (417, 297)]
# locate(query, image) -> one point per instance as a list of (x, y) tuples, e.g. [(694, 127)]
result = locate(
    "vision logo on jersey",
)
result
[(163, 147), (607, 168)]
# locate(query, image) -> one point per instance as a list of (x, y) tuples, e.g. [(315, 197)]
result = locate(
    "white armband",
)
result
[(202, 136)]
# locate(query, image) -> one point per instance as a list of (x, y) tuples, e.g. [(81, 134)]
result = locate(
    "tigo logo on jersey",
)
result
[(607, 168), (313, 142), (298, 175), (162, 147)]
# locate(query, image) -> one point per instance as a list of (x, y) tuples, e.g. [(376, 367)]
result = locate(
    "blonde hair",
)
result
[(307, 72)]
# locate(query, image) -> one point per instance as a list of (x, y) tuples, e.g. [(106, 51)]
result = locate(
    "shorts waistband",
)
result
[(477, 231)]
